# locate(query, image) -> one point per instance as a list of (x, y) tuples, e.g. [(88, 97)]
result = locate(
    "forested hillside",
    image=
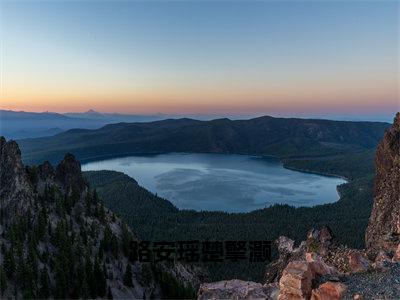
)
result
[(58, 240), (262, 136)]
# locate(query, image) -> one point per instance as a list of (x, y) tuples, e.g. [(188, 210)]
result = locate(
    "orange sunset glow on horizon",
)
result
[(199, 58)]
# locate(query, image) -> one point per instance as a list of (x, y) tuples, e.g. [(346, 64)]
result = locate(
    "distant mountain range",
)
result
[(20, 124), (266, 135), (115, 117)]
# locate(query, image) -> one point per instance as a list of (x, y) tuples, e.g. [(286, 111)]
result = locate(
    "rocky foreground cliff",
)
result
[(383, 232), (59, 241), (321, 269)]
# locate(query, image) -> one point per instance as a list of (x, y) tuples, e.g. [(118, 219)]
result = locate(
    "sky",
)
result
[(208, 57)]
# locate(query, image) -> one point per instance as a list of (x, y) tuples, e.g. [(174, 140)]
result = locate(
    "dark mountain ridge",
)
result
[(262, 136)]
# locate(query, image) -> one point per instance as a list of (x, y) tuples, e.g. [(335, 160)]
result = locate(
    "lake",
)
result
[(221, 182)]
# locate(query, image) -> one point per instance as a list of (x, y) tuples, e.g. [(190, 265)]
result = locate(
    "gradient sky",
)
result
[(200, 57)]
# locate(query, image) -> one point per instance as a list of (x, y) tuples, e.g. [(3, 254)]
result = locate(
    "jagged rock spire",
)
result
[(15, 190), (68, 174), (384, 225)]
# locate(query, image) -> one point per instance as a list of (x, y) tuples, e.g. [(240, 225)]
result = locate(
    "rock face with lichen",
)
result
[(13, 182), (237, 289), (383, 230)]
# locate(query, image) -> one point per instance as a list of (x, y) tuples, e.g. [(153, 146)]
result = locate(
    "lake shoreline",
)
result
[(283, 161), (215, 184), (316, 172)]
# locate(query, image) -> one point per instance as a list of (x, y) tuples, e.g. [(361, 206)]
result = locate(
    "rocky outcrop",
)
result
[(236, 289), (319, 247), (296, 281), (50, 212), (318, 265), (396, 256), (287, 253), (69, 175), (358, 262), (45, 176), (54, 211), (329, 291), (15, 189), (28, 207), (383, 230)]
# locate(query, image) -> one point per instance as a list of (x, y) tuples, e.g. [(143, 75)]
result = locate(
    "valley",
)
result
[(342, 149)]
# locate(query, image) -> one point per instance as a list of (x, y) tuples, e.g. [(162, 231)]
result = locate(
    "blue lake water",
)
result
[(232, 183)]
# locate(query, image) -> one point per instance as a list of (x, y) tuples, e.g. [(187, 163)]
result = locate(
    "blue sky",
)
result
[(201, 57)]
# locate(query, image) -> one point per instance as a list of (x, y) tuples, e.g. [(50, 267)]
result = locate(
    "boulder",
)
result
[(329, 291), (296, 281), (326, 235), (284, 244), (319, 241), (318, 266), (381, 260), (235, 289), (287, 253), (357, 262), (382, 257), (396, 256)]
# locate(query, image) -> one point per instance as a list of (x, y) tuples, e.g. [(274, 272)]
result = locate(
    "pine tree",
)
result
[(61, 288), (20, 270), (84, 236), (9, 263), (49, 230), (81, 278), (95, 197), (128, 276), (100, 279), (100, 252), (32, 259), (3, 280), (109, 294), (100, 213), (91, 283), (126, 239), (44, 291), (107, 237), (114, 246), (41, 224), (88, 205), (29, 283)]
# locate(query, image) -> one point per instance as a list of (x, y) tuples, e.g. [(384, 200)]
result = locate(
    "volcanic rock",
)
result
[(287, 253), (236, 289), (357, 262), (329, 291), (383, 230), (15, 189), (296, 281)]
